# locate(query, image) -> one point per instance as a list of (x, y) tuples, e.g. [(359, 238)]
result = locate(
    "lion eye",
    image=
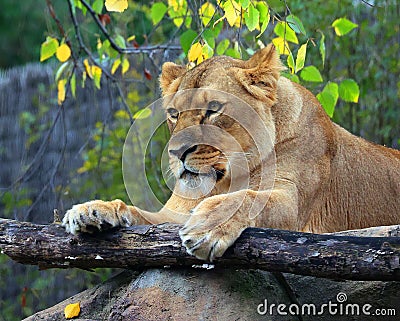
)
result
[(173, 113), (213, 107)]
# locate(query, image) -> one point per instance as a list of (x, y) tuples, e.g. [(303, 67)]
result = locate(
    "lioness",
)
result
[(326, 179)]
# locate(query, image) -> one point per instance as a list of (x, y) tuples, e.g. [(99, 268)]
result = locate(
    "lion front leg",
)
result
[(99, 215)]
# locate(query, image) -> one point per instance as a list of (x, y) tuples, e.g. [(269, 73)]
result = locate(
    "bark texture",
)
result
[(141, 247)]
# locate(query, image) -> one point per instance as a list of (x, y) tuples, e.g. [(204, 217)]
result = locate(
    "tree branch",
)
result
[(113, 44), (140, 247)]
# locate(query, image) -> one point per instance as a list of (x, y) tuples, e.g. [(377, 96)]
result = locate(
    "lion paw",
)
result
[(214, 225), (207, 245), (90, 217)]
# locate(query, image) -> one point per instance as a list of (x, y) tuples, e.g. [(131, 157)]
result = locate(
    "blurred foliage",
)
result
[(30, 290), (364, 58), (22, 25), (370, 55)]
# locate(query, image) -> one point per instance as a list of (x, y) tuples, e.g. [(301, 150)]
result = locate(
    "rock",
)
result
[(218, 294)]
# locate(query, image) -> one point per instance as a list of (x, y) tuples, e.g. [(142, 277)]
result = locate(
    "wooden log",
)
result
[(141, 247)]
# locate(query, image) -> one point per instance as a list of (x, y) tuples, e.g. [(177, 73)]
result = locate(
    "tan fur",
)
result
[(326, 179)]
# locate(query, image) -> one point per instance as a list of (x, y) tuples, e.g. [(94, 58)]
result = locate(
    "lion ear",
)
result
[(260, 74), (169, 75)]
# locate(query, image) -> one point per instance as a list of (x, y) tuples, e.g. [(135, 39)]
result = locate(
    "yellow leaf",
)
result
[(206, 12), (200, 59), (230, 12), (116, 5), (61, 90), (88, 69), (125, 66), (99, 44), (282, 45), (63, 53), (175, 4), (81, 170), (195, 51), (96, 72), (122, 114), (115, 66), (72, 310)]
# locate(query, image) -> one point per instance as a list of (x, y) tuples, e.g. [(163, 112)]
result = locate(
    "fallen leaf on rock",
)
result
[(72, 310)]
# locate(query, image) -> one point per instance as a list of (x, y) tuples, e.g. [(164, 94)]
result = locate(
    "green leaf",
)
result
[(343, 26), (311, 73), (222, 46), (290, 62), (252, 17), (216, 28), (244, 3), (120, 41), (296, 24), (157, 12), (283, 30), (98, 6), (143, 113), (301, 57), (208, 36), (80, 6), (322, 48), (186, 40), (72, 83), (328, 97), (207, 51), (349, 90), (327, 102), (292, 77), (232, 52), (333, 89), (262, 8), (61, 70), (111, 52), (48, 48)]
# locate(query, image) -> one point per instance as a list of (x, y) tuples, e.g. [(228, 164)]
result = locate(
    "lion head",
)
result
[(219, 117)]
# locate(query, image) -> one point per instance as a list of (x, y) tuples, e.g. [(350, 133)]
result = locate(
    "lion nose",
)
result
[(183, 151)]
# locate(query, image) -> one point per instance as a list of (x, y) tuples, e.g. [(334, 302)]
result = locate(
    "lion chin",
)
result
[(250, 148), (194, 183)]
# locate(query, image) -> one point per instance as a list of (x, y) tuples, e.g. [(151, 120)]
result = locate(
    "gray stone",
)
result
[(193, 294)]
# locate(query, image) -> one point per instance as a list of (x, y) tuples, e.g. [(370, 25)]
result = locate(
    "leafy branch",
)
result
[(203, 30)]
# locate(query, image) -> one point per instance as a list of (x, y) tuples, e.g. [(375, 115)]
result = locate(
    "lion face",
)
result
[(217, 114), (203, 141)]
